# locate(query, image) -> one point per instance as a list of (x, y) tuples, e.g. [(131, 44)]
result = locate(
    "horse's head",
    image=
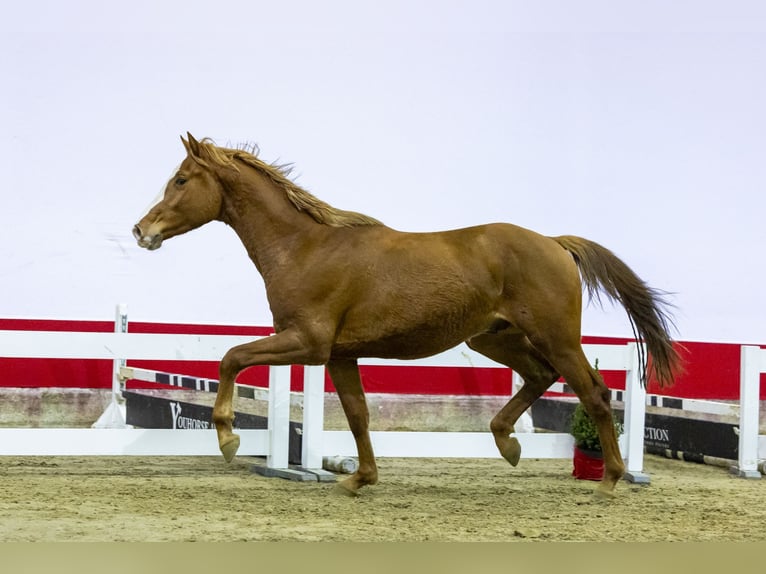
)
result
[(192, 197)]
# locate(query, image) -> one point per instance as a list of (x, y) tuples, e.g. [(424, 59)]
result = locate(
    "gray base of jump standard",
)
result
[(735, 470), (295, 473), (637, 477)]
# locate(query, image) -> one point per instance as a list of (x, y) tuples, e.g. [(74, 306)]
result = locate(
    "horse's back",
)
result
[(520, 251), (414, 294)]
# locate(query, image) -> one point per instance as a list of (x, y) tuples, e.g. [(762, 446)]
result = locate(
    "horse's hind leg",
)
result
[(596, 399), (513, 349), (348, 384)]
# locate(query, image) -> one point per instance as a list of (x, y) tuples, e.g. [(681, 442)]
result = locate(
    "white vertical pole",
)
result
[(635, 418), (279, 416), (120, 326), (749, 404), (313, 416), (115, 415)]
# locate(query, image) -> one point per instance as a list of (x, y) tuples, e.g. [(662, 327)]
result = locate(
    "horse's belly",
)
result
[(419, 309), (415, 342), (389, 349)]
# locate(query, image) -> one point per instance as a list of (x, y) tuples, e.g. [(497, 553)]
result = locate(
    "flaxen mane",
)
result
[(299, 197)]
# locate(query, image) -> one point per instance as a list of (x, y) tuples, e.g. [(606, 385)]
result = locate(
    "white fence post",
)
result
[(114, 416), (120, 326), (749, 401), (279, 416), (635, 411), (313, 417)]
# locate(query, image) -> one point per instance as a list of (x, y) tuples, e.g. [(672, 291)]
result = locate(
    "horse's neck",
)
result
[(264, 219)]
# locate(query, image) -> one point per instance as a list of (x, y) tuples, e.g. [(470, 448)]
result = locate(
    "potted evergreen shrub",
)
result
[(588, 459)]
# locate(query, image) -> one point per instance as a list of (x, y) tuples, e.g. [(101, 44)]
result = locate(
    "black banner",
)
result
[(150, 412), (694, 438)]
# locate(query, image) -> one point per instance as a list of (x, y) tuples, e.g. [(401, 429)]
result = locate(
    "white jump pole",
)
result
[(313, 416), (114, 415), (279, 417), (635, 419), (120, 326), (749, 401)]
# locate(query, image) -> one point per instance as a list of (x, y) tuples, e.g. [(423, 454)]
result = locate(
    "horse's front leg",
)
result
[(348, 384), (284, 348)]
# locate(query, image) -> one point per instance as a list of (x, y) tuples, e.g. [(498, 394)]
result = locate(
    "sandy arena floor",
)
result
[(203, 499)]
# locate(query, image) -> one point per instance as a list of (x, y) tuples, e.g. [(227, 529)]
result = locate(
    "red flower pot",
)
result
[(588, 464)]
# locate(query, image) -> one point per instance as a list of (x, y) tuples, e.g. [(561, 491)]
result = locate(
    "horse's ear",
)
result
[(192, 145), (197, 151)]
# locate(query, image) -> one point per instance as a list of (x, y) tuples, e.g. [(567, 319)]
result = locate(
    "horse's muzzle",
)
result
[(150, 242)]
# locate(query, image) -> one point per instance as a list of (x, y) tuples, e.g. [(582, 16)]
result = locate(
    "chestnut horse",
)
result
[(341, 285)]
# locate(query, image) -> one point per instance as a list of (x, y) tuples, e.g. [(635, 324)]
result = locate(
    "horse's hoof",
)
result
[(511, 451), (603, 494), (230, 448), (345, 489)]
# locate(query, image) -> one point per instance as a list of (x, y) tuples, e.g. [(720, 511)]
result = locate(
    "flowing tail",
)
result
[(602, 270)]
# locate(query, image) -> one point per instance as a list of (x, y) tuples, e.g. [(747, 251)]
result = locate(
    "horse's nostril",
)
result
[(136, 232)]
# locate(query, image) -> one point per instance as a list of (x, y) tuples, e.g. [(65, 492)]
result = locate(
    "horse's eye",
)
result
[(180, 180)]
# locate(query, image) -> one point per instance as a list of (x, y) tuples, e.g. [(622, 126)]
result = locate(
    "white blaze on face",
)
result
[(161, 194)]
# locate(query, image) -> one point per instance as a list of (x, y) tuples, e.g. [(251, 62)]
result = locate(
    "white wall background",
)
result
[(641, 125)]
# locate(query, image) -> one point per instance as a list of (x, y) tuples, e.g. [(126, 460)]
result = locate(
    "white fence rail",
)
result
[(120, 346), (273, 442), (317, 442), (480, 444)]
